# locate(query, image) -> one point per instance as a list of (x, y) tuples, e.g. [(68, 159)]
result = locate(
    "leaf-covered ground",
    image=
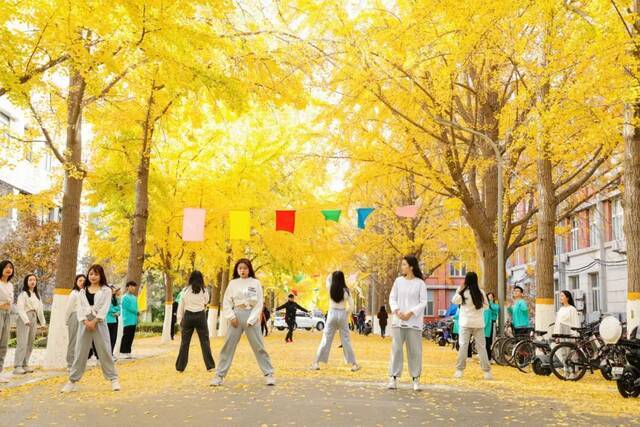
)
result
[(153, 393)]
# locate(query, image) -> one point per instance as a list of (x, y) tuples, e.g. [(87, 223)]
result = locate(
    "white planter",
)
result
[(58, 335)]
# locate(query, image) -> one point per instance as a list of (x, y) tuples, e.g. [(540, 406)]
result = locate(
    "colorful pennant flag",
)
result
[(286, 221), (363, 213), (298, 278), (331, 215), (193, 225), (239, 225), (409, 211), (142, 299)]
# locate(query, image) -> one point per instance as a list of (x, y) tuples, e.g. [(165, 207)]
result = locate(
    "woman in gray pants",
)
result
[(242, 307), (93, 304), (72, 317), (6, 304), (340, 308), (30, 313)]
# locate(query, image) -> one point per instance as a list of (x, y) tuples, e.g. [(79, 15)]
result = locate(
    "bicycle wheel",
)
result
[(496, 350), (507, 351), (523, 354), (569, 363)]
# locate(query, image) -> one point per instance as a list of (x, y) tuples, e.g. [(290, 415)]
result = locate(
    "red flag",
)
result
[(285, 221)]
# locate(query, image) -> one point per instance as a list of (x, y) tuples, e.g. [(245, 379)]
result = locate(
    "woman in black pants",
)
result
[(191, 315)]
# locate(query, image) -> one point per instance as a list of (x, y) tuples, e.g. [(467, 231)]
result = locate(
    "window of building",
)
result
[(617, 219), (430, 309), (457, 269), (574, 282), (575, 233), (594, 285), (594, 229)]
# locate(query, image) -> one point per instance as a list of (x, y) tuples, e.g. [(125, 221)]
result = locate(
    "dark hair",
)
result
[(491, 293), (131, 283), (569, 297), (471, 283), (3, 265), (196, 281), (246, 262), (383, 309), (97, 268), (518, 287), (338, 286), (75, 282), (25, 285), (413, 262), (114, 299), (291, 296)]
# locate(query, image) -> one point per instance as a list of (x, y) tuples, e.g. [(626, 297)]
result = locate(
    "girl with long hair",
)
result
[(241, 306), (407, 301), (6, 304), (340, 306), (472, 301), (191, 315), (93, 304), (567, 317), (30, 313)]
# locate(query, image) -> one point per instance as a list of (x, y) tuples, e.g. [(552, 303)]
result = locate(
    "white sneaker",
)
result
[(28, 369), (416, 384), (488, 376), (393, 383), (458, 374), (315, 366), (19, 371), (355, 367), (270, 380), (115, 385), (69, 388), (217, 381)]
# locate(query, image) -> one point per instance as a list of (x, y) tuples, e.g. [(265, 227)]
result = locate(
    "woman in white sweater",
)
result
[(71, 318), (191, 315), (407, 300), (6, 304), (340, 309), (472, 301), (30, 312), (567, 317), (241, 307)]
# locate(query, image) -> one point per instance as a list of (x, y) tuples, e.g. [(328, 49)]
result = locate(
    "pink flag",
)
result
[(193, 225), (409, 211)]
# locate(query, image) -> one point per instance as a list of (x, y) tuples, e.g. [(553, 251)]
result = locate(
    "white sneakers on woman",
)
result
[(315, 366), (19, 371), (115, 385), (355, 367), (393, 383), (270, 380), (217, 381), (416, 384), (458, 374), (69, 387), (3, 380)]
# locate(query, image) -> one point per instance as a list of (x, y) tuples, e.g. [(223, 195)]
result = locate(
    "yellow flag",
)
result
[(142, 299), (239, 225)]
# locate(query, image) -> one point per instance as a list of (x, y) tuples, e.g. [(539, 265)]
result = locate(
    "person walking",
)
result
[(112, 317), (241, 306), (264, 321), (71, 317), (30, 313), (6, 305), (519, 312), (491, 317), (407, 301), (472, 301), (192, 315), (340, 306), (129, 319), (291, 308), (383, 316), (93, 305), (174, 316), (361, 318)]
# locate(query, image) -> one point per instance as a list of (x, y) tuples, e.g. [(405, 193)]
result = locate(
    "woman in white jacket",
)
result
[(30, 312), (567, 317), (472, 301), (71, 317)]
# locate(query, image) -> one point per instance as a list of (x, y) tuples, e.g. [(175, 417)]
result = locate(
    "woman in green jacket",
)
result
[(490, 318), (129, 319)]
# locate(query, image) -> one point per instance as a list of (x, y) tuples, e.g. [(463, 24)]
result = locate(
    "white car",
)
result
[(303, 321)]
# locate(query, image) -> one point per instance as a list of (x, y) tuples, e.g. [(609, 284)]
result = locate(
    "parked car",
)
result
[(303, 321)]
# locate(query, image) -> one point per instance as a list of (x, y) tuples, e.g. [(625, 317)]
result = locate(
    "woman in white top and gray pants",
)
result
[(472, 301), (407, 300), (191, 315), (242, 306), (340, 307), (30, 313), (72, 318)]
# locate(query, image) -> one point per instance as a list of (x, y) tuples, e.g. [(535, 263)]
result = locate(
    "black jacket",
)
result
[(291, 308)]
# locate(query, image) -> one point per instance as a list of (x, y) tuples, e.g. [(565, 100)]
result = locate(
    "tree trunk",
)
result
[(222, 331), (632, 203), (545, 243), (138, 232), (70, 225), (214, 306), (168, 306)]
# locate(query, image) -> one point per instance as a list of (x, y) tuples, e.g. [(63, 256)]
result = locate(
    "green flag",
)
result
[(332, 215)]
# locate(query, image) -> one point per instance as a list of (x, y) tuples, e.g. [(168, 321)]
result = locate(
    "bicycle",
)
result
[(585, 352), (526, 351)]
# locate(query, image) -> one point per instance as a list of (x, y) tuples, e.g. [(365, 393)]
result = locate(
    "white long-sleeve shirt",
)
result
[(408, 295), (345, 304), (72, 305), (28, 303), (470, 316), (192, 302), (566, 318), (6, 294), (243, 293), (100, 308)]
